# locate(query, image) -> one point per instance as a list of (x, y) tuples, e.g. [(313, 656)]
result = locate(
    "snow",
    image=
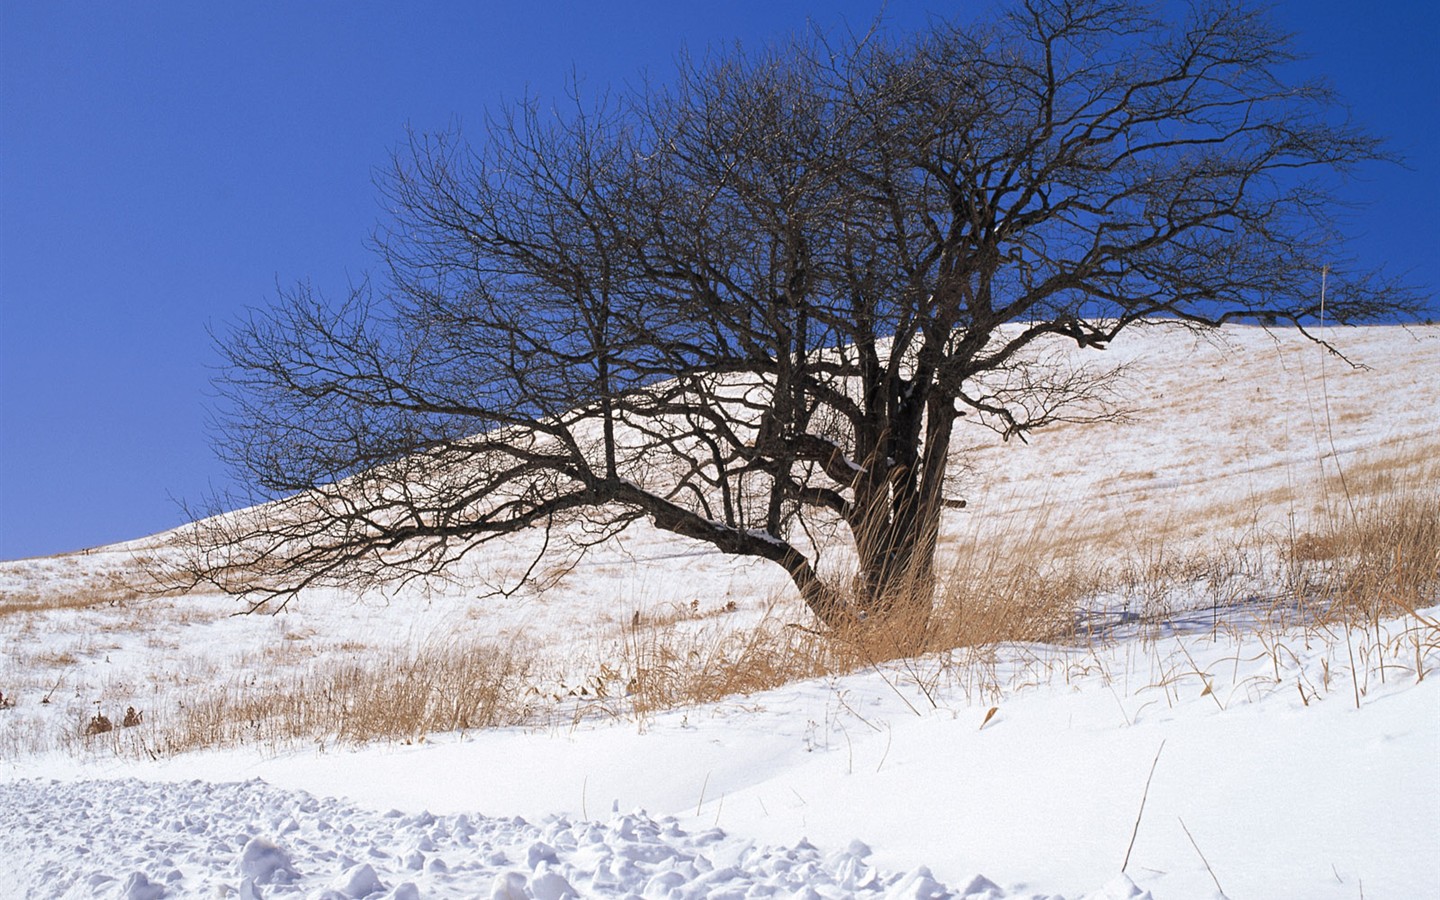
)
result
[(834, 786), (145, 839), (1288, 760)]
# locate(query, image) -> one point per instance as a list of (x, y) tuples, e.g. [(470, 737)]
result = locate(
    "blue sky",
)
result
[(164, 165)]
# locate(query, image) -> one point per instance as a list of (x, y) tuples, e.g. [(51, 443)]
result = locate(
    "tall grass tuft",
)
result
[(397, 696), (1382, 559)]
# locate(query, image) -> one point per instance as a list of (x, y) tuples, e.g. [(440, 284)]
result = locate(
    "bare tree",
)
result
[(756, 301)]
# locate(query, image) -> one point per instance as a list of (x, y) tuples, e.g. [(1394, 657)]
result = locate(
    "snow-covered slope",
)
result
[(1267, 780), (1204, 753)]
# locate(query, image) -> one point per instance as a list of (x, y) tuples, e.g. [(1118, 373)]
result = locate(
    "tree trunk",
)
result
[(897, 540)]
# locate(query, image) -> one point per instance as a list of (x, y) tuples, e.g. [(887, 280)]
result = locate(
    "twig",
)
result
[(1354, 677), (1325, 391), (1141, 813), (1202, 857), (864, 654), (701, 802), (53, 688)]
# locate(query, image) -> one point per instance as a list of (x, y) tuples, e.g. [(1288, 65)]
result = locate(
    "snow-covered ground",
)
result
[(1218, 751), (1262, 771)]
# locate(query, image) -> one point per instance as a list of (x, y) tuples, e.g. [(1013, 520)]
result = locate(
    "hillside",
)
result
[(1150, 619)]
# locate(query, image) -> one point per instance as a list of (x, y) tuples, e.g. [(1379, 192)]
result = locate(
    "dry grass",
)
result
[(1380, 558), (1343, 578), (665, 669), (346, 700), (104, 589), (672, 658), (1021, 587), (987, 597), (78, 581), (1042, 577)]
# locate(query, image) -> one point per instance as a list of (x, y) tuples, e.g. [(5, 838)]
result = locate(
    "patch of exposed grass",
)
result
[(1378, 558), (77, 581), (346, 700)]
